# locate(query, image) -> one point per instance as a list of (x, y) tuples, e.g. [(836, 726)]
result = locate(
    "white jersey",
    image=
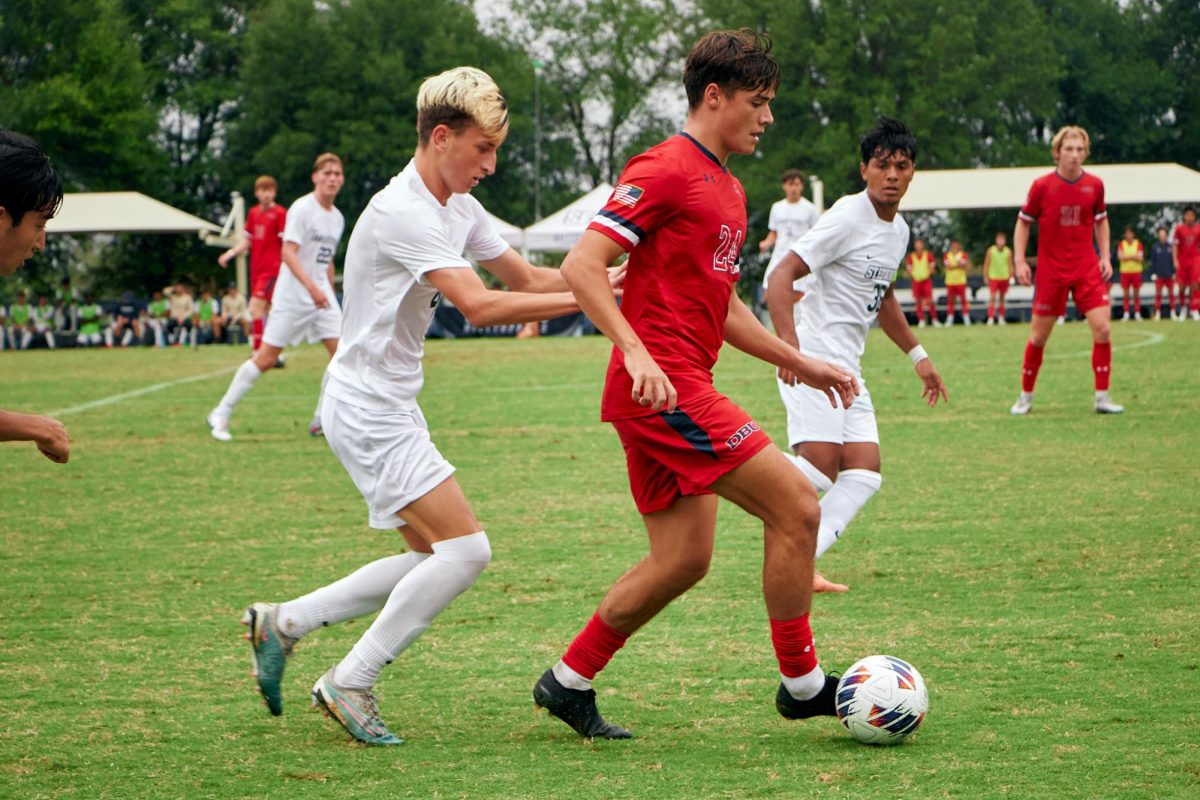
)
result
[(790, 221), (853, 256), (317, 231), (403, 234)]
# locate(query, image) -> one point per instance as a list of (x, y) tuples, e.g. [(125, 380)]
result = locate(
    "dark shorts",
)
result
[(1050, 293), (683, 453)]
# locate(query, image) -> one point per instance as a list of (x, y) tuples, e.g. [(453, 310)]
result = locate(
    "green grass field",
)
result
[(1040, 572)]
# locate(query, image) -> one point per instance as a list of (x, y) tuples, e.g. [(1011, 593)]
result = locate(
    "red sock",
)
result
[(920, 313), (256, 331), (595, 645), (1033, 362), (1102, 364), (794, 647)]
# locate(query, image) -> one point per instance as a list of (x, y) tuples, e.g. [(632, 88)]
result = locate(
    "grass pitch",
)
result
[(1040, 572)]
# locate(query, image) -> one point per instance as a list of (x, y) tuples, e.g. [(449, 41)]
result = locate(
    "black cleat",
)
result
[(823, 705), (280, 363), (576, 708)]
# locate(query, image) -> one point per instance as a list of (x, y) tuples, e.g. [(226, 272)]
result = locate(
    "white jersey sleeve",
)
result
[(827, 241)]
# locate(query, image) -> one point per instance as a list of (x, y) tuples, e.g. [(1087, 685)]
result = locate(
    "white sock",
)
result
[(243, 381), (50, 340), (419, 597), (850, 492), (362, 592), (570, 678), (26, 340), (316, 420), (806, 686), (818, 479), (1027, 397), (108, 337), (127, 337)]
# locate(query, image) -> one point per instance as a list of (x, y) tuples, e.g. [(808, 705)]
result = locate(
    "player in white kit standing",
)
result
[(852, 255), (410, 245), (304, 304), (790, 218)]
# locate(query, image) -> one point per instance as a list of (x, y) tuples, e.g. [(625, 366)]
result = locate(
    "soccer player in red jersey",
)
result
[(1187, 263), (263, 237), (1068, 207), (681, 216)]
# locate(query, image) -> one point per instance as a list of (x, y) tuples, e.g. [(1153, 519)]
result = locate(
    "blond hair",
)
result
[(460, 97), (326, 158), (1063, 133)]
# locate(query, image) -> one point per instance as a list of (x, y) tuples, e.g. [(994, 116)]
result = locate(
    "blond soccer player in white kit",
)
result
[(410, 245), (304, 305), (852, 255)]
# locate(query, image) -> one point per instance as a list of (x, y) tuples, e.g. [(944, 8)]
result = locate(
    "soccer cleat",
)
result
[(1022, 407), (280, 362), (1106, 406), (1061, 320), (967, 320), (219, 426), (920, 323), (353, 709), (824, 704), (1157, 316), (1196, 316), (576, 708), (271, 649), (315, 430)]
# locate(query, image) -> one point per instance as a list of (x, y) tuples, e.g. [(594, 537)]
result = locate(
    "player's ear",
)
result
[(713, 95), (862, 171)]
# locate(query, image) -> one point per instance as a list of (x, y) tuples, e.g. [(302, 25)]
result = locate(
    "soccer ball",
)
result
[(881, 700)]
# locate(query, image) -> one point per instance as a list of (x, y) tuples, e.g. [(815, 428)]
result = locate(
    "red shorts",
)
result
[(1131, 280), (957, 291), (998, 285), (922, 290), (1050, 293), (262, 284), (681, 454), (1161, 282), (1186, 274)]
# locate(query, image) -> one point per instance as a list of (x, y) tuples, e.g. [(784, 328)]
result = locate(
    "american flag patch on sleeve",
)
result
[(627, 194)]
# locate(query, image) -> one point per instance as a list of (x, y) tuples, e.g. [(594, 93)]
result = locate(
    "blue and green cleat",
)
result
[(353, 709), (271, 649)]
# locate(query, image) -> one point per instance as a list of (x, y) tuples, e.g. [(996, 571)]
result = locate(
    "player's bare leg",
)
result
[(1040, 328), (1099, 319)]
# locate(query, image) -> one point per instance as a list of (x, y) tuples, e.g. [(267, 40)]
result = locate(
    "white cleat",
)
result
[(1106, 406), (1061, 321), (1196, 316), (219, 427), (1022, 407), (1003, 321), (921, 323), (1157, 316)]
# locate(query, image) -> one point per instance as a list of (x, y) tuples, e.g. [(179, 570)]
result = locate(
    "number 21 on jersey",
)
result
[(725, 257)]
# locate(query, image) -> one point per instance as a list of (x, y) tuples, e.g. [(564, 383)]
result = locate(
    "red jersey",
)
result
[(681, 216), (1187, 243), (1066, 213), (264, 227)]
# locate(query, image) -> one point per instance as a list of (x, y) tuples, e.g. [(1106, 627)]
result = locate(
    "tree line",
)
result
[(186, 100)]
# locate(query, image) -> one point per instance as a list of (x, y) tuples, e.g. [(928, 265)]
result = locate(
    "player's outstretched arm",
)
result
[(1021, 269), (48, 433), (586, 271), (892, 322), (746, 333), (483, 306), (242, 246)]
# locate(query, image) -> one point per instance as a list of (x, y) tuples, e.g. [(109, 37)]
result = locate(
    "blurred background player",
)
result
[(94, 329), (127, 325), (20, 311), (1162, 267), (1130, 261), (41, 323), (303, 302), (181, 314), (410, 244), (30, 194), (790, 219), (207, 321), (852, 255), (1187, 263), (997, 268), (920, 269), (263, 237), (157, 316), (1068, 207), (234, 316), (956, 263), (681, 216)]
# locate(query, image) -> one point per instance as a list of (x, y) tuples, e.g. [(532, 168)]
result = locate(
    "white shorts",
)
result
[(810, 417), (289, 326), (389, 456)]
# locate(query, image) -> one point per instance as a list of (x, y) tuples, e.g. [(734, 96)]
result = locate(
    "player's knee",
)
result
[(1101, 333), (685, 570)]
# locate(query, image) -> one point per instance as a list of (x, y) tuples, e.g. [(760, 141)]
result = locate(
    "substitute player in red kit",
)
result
[(263, 237), (1187, 263), (681, 216), (1068, 207)]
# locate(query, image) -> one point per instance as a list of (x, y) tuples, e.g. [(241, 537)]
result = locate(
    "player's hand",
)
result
[(224, 258), (787, 376), (823, 584), (616, 277), (318, 297), (651, 386), (54, 443), (934, 387), (834, 381), (1105, 269), (1022, 272), (763, 245)]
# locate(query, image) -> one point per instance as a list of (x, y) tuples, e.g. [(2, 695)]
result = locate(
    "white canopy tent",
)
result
[(1006, 187), (557, 232), (124, 212), (508, 232)]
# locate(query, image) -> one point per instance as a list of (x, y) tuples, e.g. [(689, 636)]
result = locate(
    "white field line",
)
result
[(123, 396), (1151, 339)]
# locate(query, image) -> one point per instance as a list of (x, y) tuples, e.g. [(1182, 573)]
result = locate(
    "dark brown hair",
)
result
[(732, 60)]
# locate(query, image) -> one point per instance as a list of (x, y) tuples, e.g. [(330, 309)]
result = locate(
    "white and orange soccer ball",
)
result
[(881, 700)]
